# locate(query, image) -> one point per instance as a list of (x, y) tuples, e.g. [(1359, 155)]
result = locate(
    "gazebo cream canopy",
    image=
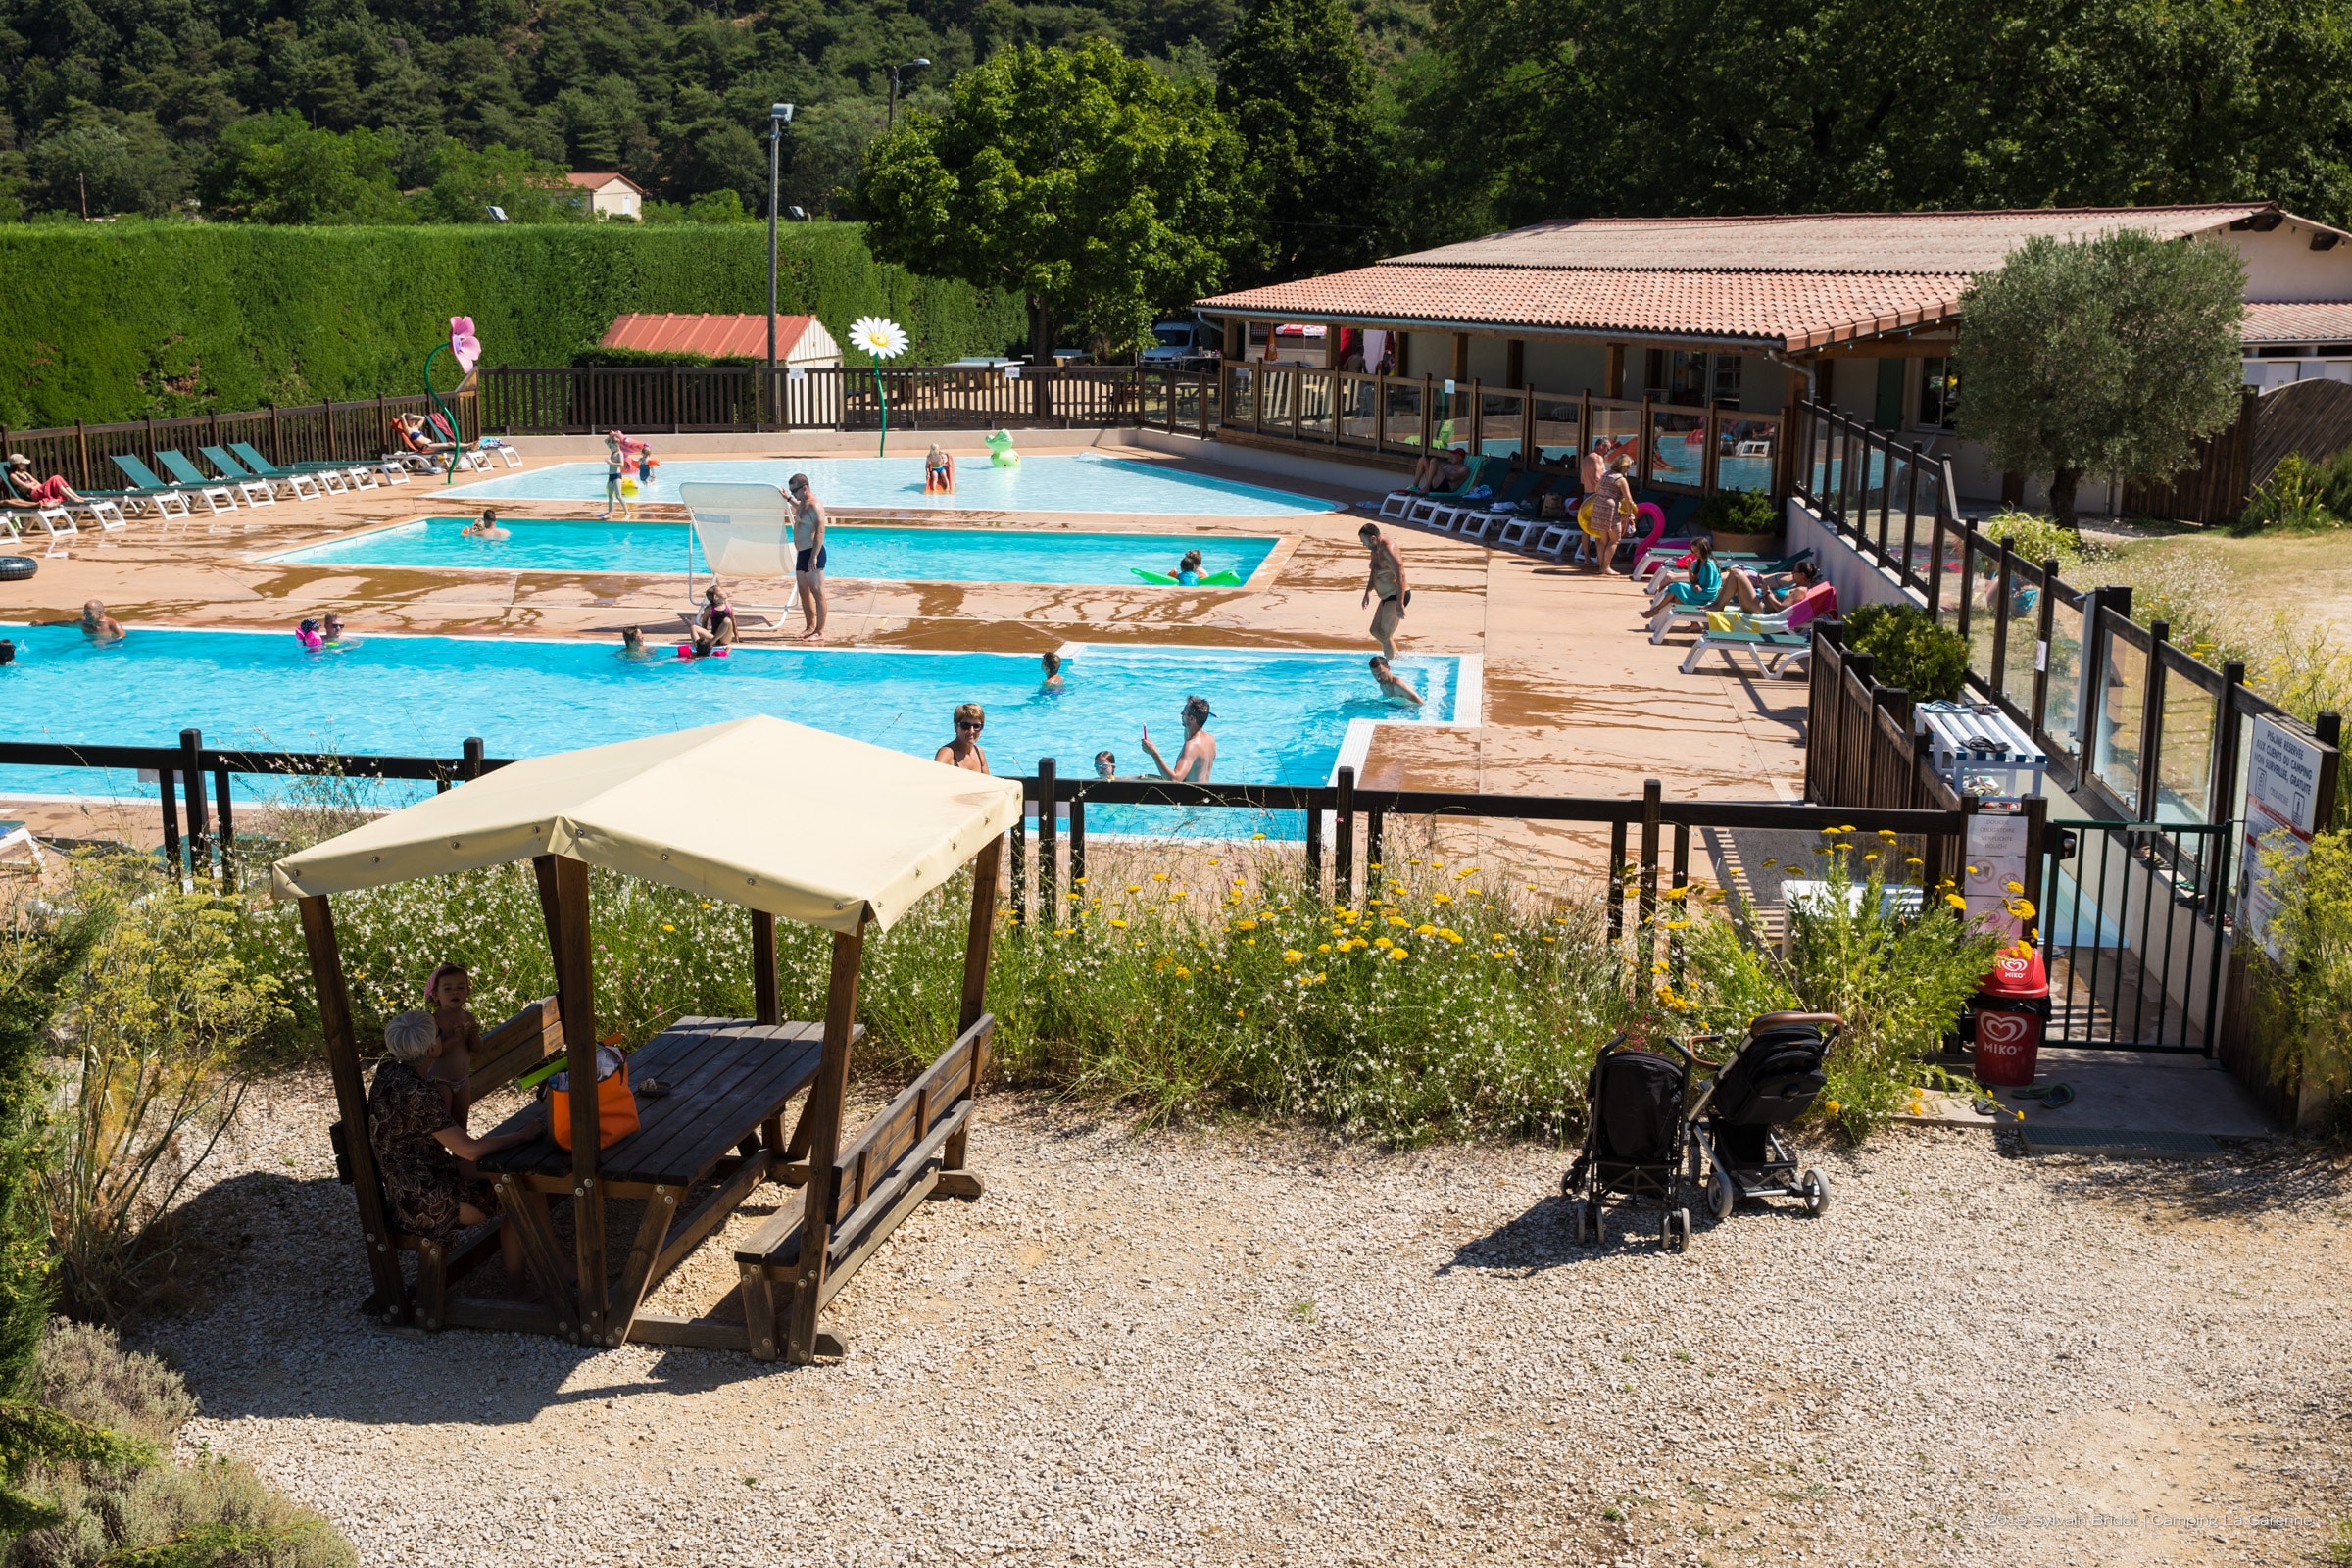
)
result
[(776, 816), (786, 821)]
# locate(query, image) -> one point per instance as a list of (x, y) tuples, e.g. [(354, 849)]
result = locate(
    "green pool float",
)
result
[(1227, 578)]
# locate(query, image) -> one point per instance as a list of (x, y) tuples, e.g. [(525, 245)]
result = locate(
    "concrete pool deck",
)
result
[(1577, 699)]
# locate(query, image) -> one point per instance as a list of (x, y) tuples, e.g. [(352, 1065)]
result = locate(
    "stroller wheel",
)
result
[(1815, 1190), (1588, 1224), (1677, 1230), (1722, 1194)]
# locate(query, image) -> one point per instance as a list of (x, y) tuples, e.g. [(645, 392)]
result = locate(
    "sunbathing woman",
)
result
[(1704, 587), (50, 492)]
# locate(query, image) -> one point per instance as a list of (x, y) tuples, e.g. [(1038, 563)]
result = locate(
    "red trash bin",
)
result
[(2007, 1015)]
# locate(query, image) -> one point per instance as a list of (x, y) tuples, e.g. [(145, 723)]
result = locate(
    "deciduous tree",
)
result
[(1296, 85)]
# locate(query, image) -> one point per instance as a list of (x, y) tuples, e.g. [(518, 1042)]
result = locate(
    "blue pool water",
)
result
[(1280, 717), (897, 555), (1082, 482)]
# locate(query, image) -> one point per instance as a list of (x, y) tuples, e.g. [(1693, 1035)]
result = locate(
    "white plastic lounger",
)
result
[(744, 530), (1516, 532), (59, 524), (1774, 653)]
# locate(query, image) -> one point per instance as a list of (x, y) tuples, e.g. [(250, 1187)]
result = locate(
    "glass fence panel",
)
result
[(1984, 585), (1887, 520), (1501, 422), (1743, 453), (1452, 417), (1240, 395), (2115, 753), (2024, 628), (1556, 432), (1314, 404), (2062, 712), (1360, 397), (2184, 751), (1618, 430), (1922, 518), (1187, 404), (1403, 415), (1678, 448), (1821, 459), (1276, 394)]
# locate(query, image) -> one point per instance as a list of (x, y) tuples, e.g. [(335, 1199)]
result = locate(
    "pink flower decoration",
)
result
[(463, 346)]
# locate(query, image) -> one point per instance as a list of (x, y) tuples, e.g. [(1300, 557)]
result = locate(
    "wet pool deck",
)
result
[(1577, 700)]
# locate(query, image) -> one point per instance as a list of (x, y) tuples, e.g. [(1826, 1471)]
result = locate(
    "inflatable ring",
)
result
[(16, 568)]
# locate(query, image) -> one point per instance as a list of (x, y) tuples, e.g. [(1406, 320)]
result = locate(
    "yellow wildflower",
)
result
[(1292, 954), (1442, 897), (1159, 876), (1456, 937), (1244, 925), (1956, 900), (1383, 942), (1119, 924), (1322, 947), (1134, 887), (1398, 953)]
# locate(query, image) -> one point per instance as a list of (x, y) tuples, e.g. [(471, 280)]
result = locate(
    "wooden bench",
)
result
[(524, 1041), (914, 1151)]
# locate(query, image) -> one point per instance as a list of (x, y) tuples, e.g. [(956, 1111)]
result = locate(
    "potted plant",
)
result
[(1739, 522)]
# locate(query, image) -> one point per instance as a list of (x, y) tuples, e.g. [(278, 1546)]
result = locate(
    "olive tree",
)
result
[(2112, 355)]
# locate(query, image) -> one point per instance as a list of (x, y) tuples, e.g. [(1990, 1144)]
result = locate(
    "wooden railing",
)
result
[(319, 432), (1674, 447), (681, 399)]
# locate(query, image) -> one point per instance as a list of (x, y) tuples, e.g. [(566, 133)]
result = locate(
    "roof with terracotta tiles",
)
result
[(799, 338), (1790, 282), (2320, 322)]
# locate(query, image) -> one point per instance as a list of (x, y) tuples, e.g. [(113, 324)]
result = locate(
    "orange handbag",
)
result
[(616, 1111)]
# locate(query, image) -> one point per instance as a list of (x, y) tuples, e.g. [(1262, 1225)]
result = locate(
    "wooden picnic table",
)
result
[(728, 1082)]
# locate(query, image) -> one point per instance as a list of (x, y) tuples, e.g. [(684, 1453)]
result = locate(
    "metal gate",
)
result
[(2134, 920)]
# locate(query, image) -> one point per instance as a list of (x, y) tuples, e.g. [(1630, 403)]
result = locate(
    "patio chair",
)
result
[(59, 524), (1518, 532), (1398, 504), (245, 479), (304, 486), (492, 444), (214, 493), (1472, 519), (1815, 602), (468, 455), (167, 500), (1774, 653), (98, 505), (333, 477)]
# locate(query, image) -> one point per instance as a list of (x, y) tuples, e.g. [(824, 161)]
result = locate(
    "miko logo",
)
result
[(2003, 1033)]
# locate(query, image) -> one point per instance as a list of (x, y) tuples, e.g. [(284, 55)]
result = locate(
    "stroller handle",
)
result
[(1771, 1019)]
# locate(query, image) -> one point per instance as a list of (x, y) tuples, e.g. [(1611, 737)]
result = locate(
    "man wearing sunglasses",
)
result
[(964, 749)]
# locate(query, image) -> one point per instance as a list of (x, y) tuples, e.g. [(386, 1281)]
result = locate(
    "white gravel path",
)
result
[(1248, 1346)]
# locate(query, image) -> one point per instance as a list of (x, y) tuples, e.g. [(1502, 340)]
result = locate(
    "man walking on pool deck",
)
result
[(1388, 581), (809, 557)]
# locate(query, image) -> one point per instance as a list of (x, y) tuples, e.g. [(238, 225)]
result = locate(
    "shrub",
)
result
[(2038, 539), (2311, 987), (2300, 497), (1736, 511), (1913, 652), (156, 1025), (127, 1508)]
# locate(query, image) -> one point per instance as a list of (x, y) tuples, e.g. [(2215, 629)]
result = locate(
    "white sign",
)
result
[(2283, 793), (799, 372), (1012, 373), (1450, 388), (1996, 858)]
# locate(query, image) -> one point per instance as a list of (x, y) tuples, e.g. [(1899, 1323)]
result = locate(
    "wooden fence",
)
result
[(684, 399), (322, 432)]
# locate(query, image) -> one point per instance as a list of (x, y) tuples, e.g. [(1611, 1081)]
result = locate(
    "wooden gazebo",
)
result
[(787, 822)]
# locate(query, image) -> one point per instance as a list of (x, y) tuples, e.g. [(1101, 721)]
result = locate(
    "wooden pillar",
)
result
[(767, 1007), (1612, 374), (1461, 356), (978, 942), (1514, 362), (1237, 339), (825, 1145), (391, 1298), (567, 917)]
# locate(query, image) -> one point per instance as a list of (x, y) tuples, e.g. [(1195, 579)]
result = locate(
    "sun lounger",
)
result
[(491, 444), (1405, 506), (16, 836), (246, 479), (1476, 519), (167, 500), (1775, 652), (59, 524), (304, 485), (1815, 602), (334, 477), (214, 493)]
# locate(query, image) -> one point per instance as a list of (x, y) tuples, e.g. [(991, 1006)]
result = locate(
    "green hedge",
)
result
[(120, 320)]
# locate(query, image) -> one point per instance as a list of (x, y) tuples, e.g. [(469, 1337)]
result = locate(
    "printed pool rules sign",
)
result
[(2283, 793)]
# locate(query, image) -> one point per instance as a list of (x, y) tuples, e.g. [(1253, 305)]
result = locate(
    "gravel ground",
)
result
[(1247, 1345)]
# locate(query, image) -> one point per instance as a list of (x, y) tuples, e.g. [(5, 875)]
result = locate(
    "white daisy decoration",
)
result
[(878, 335)]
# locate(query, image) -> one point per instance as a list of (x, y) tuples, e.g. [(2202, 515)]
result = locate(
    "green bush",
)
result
[(2038, 539), (2302, 496), (136, 1512), (1736, 511), (2305, 1020), (1913, 652), (121, 321)]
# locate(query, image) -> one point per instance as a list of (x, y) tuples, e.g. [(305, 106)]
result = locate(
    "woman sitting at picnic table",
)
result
[(422, 1152)]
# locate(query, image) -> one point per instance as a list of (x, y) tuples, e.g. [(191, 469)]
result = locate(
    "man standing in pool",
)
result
[(1393, 688), (1388, 581), (1199, 754), (809, 556)]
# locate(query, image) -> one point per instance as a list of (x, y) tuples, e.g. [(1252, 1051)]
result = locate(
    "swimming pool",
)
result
[(897, 555), (1056, 482), (1281, 717)]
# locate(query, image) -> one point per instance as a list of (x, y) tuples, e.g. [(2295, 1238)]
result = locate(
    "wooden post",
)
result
[(1049, 853), (978, 942), (567, 919), (1612, 372), (1710, 433), (192, 773), (1646, 930), (82, 444), (824, 1146), (1342, 875), (228, 830), (1429, 413), (168, 777), (766, 1006), (1527, 425), (391, 1299), (1478, 418), (2151, 722), (1462, 358)]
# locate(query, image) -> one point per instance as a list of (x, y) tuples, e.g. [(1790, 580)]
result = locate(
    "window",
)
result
[(1727, 380), (1938, 395), (1686, 378)]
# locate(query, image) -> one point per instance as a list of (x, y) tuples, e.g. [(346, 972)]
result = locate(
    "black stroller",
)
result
[(1736, 1150), (1635, 1140)]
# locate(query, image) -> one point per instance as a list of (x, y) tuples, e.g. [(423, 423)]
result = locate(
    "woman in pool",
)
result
[(487, 528), (1188, 570), (964, 749), (1200, 753), (939, 472), (715, 627), (1051, 662), (632, 644)]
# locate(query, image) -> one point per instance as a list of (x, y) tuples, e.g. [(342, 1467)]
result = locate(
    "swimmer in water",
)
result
[(487, 528), (1107, 766), (1390, 686), (964, 749), (1051, 665), (307, 634), (98, 625), (1188, 570), (632, 644), (332, 629)]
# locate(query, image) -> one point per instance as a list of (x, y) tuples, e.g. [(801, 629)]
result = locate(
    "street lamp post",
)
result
[(911, 65), (778, 116)]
